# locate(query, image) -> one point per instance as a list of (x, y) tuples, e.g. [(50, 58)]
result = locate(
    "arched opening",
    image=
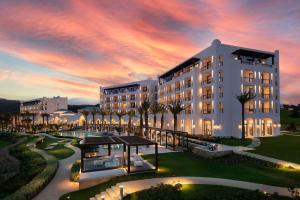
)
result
[(266, 127), (249, 127)]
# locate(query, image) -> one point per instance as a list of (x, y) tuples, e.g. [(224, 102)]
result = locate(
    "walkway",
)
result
[(61, 183), (255, 143), (138, 185)]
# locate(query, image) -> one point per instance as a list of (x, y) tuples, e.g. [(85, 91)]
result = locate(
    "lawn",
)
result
[(202, 192), (284, 147), (59, 150), (286, 119), (187, 164), (235, 141), (7, 139)]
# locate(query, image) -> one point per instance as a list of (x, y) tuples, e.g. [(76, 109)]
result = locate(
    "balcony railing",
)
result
[(187, 85), (247, 62), (208, 81), (265, 81), (265, 96), (188, 98), (247, 79), (266, 110), (250, 110), (177, 88), (207, 96), (207, 111), (206, 66)]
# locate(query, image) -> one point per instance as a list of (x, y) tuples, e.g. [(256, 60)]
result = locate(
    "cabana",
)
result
[(96, 154)]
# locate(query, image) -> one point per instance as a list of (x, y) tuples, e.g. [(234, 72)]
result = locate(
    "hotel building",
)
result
[(128, 96), (207, 84), (44, 105)]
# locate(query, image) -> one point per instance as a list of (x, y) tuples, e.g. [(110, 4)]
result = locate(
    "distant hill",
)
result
[(75, 108), (9, 105)]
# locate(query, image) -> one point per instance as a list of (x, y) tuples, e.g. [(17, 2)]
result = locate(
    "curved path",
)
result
[(138, 185), (61, 183)]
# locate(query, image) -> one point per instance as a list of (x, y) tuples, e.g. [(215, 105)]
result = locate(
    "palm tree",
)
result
[(110, 113), (243, 98), (85, 113), (175, 108), (130, 114), (43, 116), (146, 106), (33, 118), (141, 112), (163, 110), (47, 118), (94, 112), (120, 115), (102, 112), (155, 109)]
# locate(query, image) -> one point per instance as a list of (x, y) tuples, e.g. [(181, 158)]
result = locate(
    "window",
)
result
[(221, 60), (220, 75), (221, 107), (144, 89), (221, 92)]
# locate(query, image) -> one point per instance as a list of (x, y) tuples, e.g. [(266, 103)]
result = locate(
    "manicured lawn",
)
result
[(286, 120), (59, 150), (235, 141), (285, 147), (187, 164), (31, 164), (4, 143), (205, 192)]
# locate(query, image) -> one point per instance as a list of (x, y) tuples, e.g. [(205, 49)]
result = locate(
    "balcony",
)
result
[(250, 110), (247, 62), (247, 79), (209, 111), (207, 81), (123, 99), (266, 110), (265, 96), (177, 88), (188, 98), (206, 66), (265, 81), (207, 96)]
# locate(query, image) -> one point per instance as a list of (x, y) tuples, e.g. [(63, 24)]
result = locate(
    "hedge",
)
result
[(38, 183), (75, 171)]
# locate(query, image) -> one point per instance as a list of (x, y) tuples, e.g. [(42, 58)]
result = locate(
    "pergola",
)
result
[(126, 141)]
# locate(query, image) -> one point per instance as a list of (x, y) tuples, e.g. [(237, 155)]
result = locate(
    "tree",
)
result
[(110, 113), (43, 116), (120, 115), (146, 106), (141, 112), (163, 110), (33, 115), (94, 112), (47, 118), (130, 114), (154, 109), (102, 112), (85, 114), (175, 108), (243, 98)]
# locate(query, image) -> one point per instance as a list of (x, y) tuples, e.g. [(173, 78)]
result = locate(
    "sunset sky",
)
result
[(70, 48)]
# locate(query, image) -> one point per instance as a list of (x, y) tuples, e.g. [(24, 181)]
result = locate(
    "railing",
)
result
[(250, 110), (177, 88), (247, 79), (207, 111), (206, 67), (208, 81), (188, 98), (189, 84), (247, 62), (266, 96), (207, 96), (265, 81), (266, 110)]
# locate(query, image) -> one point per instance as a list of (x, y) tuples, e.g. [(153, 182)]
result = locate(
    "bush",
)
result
[(207, 138), (161, 192), (75, 171), (35, 174)]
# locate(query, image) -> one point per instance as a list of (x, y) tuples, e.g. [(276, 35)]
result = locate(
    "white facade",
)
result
[(44, 105), (208, 84), (128, 96)]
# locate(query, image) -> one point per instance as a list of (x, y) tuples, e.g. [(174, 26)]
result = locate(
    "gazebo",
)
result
[(97, 154)]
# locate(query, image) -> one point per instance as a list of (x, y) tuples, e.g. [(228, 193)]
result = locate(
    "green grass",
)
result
[(286, 120), (31, 164), (235, 141), (284, 147), (187, 164), (7, 139), (59, 151), (211, 192), (4, 143)]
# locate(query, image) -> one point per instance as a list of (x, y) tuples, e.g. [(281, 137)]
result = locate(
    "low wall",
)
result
[(205, 153)]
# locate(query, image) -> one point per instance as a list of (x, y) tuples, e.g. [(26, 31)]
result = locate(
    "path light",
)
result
[(121, 192), (102, 197)]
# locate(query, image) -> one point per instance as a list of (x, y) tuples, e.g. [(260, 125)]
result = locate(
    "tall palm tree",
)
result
[(120, 115), (102, 112), (33, 115), (163, 111), (94, 112), (85, 114), (154, 109), (141, 112), (175, 108), (47, 115), (110, 113), (146, 106), (130, 114), (243, 98)]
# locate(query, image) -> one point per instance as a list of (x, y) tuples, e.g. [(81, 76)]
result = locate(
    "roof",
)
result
[(104, 140), (180, 66), (251, 53), (121, 87)]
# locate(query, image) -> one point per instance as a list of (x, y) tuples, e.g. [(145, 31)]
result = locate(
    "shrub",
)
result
[(207, 138), (75, 171)]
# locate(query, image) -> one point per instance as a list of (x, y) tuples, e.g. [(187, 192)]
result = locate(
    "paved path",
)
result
[(255, 143), (61, 183), (138, 185)]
